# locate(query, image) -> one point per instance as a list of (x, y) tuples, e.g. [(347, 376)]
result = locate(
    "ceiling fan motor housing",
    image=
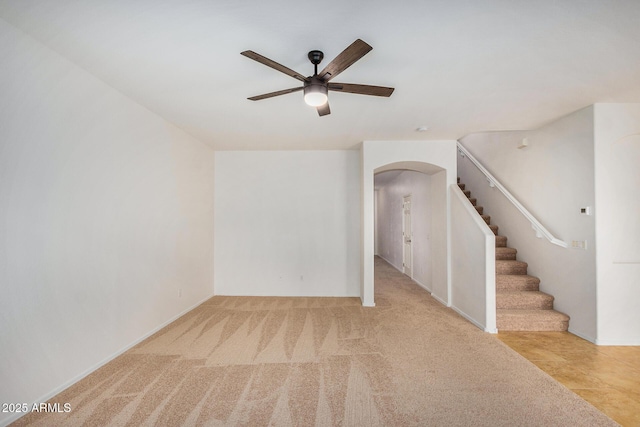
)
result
[(315, 56)]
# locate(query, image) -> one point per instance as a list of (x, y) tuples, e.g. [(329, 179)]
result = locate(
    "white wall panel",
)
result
[(473, 272), (106, 228), (617, 153), (287, 223)]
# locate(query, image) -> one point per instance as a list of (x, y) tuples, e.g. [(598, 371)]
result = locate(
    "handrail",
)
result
[(540, 230)]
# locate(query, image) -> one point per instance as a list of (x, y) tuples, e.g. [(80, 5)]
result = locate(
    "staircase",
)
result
[(520, 306)]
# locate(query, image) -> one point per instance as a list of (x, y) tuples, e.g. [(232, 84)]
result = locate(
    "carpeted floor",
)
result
[(322, 361)]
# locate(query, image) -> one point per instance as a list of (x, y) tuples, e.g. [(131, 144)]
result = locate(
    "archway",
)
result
[(435, 158)]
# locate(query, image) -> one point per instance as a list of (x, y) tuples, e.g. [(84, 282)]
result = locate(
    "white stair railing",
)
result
[(540, 229)]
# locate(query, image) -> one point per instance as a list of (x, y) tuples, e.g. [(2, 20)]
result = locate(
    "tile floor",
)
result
[(608, 377)]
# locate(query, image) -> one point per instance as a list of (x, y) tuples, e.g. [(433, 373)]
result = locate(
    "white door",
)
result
[(406, 235)]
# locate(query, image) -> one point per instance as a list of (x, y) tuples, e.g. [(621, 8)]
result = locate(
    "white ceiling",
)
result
[(457, 66)]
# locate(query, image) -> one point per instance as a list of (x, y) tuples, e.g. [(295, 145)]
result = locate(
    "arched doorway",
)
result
[(438, 160)]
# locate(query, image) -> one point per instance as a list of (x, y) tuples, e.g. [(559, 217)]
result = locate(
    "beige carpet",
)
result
[(322, 361)]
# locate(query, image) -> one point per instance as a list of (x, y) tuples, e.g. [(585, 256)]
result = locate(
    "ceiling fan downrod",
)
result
[(315, 56)]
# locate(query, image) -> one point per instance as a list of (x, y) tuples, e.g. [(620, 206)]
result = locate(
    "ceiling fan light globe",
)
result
[(315, 94), (315, 99)]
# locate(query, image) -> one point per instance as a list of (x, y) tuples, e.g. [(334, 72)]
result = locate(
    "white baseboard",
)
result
[(100, 364), (440, 300), (583, 336), (423, 286), (624, 342), (391, 264), (472, 320)]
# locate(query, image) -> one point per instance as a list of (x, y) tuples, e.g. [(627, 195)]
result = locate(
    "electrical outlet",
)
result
[(579, 244)]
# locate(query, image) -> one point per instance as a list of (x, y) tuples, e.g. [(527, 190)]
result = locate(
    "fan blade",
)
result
[(361, 89), (323, 110), (344, 60), (273, 64), (272, 94)]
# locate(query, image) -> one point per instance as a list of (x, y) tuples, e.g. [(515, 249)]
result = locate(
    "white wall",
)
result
[(286, 223), (473, 264), (436, 158), (441, 233), (105, 215), (553, 178), (389, 223), (617, 160)]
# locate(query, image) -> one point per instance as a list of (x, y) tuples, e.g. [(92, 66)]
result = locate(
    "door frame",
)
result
[(408, 270)]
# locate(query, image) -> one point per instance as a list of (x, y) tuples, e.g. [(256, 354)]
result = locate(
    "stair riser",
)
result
[(517, 283), (524, 302), (510, 267), (506, 254), (531, 320), (501, 241), (533, 326), (524, 285)]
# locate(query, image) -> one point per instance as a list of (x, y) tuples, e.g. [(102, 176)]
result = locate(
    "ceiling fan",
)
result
[(316, 87)]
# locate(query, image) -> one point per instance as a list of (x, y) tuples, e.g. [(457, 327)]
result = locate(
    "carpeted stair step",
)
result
[(523, 300), (531, 320), (494, 228), (501, 241), (480, 209), (473, 200), (517, 282), (467, 193), (461, 186), (486, 219), (506, 253), (510, 267)]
